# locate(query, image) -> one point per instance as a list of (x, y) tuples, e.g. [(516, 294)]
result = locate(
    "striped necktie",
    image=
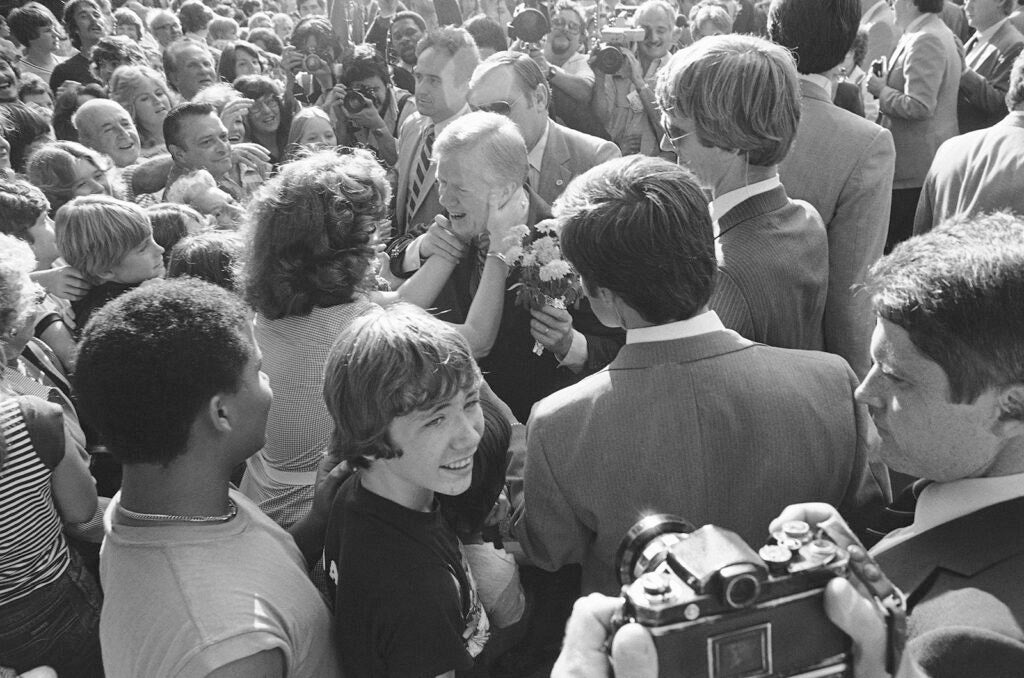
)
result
[(419, 172)]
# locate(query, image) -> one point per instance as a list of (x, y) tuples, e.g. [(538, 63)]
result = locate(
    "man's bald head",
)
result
[(105, 126)]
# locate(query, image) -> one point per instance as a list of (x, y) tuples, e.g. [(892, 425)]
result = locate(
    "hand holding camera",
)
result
[(715, 605), (876, 79)]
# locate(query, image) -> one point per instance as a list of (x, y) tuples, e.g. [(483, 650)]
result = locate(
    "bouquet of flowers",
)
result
[(545, 279)]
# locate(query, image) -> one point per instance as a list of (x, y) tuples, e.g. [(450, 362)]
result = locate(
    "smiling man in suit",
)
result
[(840, 163), (512, 84), (989, 58)]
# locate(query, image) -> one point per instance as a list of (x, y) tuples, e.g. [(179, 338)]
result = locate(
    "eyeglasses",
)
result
[(567, 26), (499, 107), (672, 139)]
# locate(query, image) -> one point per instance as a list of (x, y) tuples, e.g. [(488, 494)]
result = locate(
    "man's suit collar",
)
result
[(964, 546), (557, 157), (761, 203), (679, 351), (812, 90)]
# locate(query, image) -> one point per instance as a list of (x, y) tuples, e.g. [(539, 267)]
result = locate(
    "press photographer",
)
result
[(624, 98), (368, 109), (312, 60)]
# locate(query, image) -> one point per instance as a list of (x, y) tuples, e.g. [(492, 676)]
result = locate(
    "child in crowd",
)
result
[(111, 243), (212, 256), (172, 222), (404, 393)]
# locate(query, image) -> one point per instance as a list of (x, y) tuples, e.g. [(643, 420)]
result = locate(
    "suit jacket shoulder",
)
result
[(568, 154), (966, 603)]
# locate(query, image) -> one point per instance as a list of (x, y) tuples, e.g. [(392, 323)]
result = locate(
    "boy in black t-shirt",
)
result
[(403, 390)]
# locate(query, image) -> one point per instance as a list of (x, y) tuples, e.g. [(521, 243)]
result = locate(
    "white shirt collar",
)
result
[(721, 205), (941, 503), (536, 155), (822, 81), (986, 35), (681, 329)]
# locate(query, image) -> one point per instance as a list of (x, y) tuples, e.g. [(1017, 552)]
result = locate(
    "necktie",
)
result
[(419, 173), (481, 245)]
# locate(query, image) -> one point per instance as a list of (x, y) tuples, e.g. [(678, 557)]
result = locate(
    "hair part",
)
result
[(390, 363)]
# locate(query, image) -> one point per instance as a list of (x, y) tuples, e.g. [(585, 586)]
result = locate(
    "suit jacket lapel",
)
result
[(555, 165), (964, 546)]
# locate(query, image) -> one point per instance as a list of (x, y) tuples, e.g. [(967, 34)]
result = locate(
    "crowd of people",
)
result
[(352, 337)]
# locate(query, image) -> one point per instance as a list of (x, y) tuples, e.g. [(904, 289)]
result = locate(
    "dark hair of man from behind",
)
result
[(177, 119), (958, 291), (640, 227), (818, 32), (150, 361), (929, 6)]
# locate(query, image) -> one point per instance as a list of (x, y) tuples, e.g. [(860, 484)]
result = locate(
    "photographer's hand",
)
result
[(368, 119), (859, 618), (633, 70), (234, 110), (584, 653), (291, 62)]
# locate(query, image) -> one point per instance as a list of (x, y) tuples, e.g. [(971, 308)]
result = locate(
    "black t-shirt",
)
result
[(76, 68), (403, 603), (94, 300)]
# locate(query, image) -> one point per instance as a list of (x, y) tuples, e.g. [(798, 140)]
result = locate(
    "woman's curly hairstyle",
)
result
[(311, 233)]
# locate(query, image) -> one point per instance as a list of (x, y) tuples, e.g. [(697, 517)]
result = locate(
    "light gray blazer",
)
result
[(843, 165)]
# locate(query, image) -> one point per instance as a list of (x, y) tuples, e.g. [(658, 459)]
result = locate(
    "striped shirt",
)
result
[(280, 477), (32, 548)]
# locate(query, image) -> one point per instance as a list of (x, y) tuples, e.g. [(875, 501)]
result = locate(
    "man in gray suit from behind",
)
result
[(690, 418), (980, 171), (840, 163)]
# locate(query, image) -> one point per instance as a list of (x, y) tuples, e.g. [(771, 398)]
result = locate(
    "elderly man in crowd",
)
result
[(107, 127), (165, 26), (189, 67), (980, 171), (512, 84), (989, 58), (639, 232), (840, 163)]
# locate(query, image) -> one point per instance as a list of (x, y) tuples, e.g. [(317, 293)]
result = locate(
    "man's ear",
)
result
[(1010, 401), (218, 413), (176, 153)]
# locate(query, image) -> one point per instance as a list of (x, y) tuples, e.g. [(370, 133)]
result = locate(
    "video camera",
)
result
[(617, 35), (529, 25), (716, 608)]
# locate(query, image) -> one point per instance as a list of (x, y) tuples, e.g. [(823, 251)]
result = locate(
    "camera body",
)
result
[(357, 98), (615, 37), (718, 609), (529, 25)]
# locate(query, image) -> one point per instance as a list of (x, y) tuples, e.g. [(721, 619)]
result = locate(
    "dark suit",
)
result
[(974, 173), (410, 141), (965, 596), (517, 375), (983, 86), (843, 165), (714, 428), (567, 155)]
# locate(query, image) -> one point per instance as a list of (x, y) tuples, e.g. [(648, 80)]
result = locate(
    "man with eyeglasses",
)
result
[(165, 27), (511, 84)]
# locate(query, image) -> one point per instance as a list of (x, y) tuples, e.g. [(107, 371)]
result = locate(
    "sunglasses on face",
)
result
[(567, 26), (499, 107)]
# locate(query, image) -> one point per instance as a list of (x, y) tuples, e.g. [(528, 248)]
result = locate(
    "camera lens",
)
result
[(741, 591), (609, 60), (313, 63), (354, 101), (645, 545)]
